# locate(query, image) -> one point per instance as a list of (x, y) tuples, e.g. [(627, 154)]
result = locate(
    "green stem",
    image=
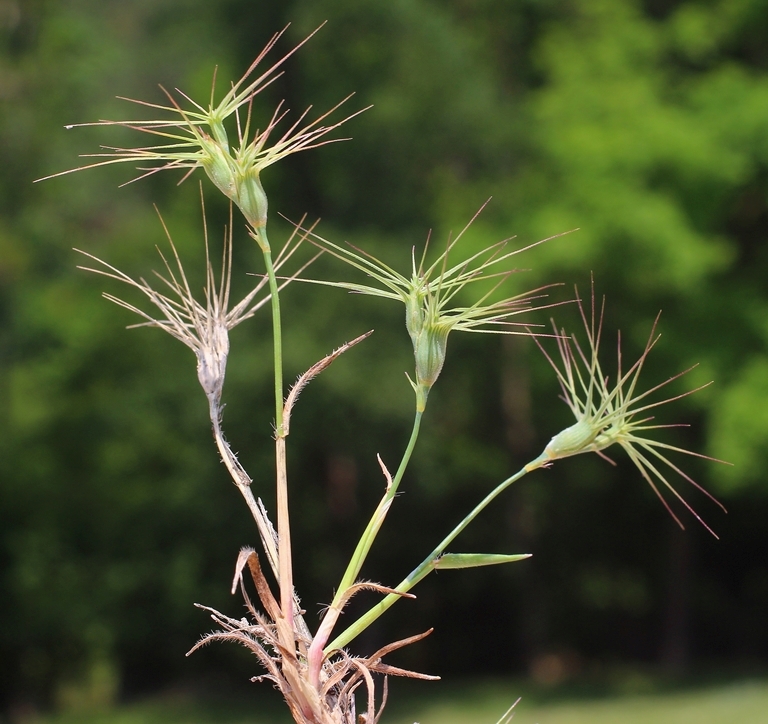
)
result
[(277, 334), (374, 524), (427, 565), (285, 563)]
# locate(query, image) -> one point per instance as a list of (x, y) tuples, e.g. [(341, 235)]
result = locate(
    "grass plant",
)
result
[(320, 679)]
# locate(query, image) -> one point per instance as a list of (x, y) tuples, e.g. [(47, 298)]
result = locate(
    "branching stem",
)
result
[(374, 524), (426, 566), (316, 649)]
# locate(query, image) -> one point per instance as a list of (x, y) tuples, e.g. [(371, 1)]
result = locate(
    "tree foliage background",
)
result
[(643, 124)]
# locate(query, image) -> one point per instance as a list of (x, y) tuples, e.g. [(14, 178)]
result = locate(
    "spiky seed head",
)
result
[(201, 326), (429, 294), (609, 414), (196, 137)]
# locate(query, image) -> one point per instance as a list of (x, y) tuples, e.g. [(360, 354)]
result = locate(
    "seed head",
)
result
[(203, 327), (614, 414), (197, 137), (429, 295)]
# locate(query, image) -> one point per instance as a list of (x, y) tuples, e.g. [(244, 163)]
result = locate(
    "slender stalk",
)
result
[(284, 534), (243, 482), (285, 568), (260, 235), (428, 564)]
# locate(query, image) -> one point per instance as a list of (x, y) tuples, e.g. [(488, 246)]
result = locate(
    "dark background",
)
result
[(643, 124)]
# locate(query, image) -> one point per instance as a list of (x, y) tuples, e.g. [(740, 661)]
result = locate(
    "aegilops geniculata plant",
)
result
[(318, 679)]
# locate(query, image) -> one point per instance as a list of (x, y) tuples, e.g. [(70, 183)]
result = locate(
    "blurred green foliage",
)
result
[(643, 124)]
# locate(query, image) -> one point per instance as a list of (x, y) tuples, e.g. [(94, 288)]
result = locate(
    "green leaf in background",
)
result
[(739, 426)]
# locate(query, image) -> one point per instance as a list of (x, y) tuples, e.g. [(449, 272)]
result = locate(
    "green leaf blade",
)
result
[(476, 560)]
